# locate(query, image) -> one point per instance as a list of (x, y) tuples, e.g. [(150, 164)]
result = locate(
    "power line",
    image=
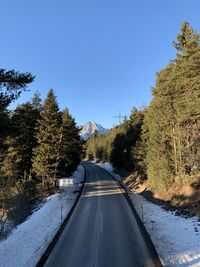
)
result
[(120, 117)]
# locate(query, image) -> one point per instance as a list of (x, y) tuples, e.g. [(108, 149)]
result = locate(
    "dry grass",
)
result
[(183, 196)]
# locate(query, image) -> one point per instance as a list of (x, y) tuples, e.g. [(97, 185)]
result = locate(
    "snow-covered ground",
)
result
[(109, 168), (176, 239), (106, 166), (29, 240)]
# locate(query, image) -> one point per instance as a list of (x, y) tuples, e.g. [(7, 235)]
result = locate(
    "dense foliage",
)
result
[(12, 84), (173, 118), (38, 143), (117, 145)]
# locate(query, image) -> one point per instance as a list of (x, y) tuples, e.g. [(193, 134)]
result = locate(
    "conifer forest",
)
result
[(161, 142), (38, 143)]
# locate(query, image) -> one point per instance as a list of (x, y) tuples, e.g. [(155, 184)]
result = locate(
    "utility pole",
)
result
[(120, 117)]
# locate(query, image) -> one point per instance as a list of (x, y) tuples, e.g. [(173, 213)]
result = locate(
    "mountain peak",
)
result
[(89, 129)]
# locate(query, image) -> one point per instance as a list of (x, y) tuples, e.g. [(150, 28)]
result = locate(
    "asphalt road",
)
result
[(102, 231)]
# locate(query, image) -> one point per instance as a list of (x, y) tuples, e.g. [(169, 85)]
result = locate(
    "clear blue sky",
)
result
[(99, 56)]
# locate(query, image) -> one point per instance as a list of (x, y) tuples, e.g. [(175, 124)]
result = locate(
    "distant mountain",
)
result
[(89, 128)]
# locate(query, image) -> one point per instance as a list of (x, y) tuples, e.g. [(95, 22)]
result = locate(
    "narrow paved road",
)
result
[(102, 231)]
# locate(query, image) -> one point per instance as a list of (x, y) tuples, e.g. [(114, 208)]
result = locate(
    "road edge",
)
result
[(52, 244), (151, 247)]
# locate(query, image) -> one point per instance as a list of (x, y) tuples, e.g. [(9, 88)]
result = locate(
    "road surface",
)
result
[(102, 231)]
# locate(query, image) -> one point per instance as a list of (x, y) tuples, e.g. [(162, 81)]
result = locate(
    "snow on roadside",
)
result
[(176, 239), (109, 168), (27, 242), (106, 166), (79, 174)]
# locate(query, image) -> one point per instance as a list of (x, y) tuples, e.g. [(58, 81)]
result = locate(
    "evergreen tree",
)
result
[(118, 154), (19, 145), (46, 154), (24, 121), (11, 85), (173, 117), (187, 105), (100, 146), (70, 143), (10, 167), (187, 41), (139, 149), (125, 142), (161, 123)]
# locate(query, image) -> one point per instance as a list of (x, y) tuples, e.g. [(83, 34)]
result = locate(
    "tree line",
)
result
[(162, 141), (38, 144), (119, 145)]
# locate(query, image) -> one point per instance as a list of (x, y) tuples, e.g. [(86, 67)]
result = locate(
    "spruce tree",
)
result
[(161, 124), (10, 167), (139, 149), (11, 85), (46, 154), (173, 116), (119, 151), (16, 162), (24, 120), (187, 105), (70, 143)]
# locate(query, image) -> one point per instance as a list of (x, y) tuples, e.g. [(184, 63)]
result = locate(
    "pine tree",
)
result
[(187, 105), (173, 116), (187, 41), (16, 162), (11, 85), (124, 142), (139, 149), (119, 150), (46, 154), (70, 143), (24, 120), (10, 167)]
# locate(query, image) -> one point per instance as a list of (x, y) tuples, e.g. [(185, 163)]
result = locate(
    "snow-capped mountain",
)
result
[(89, 128)]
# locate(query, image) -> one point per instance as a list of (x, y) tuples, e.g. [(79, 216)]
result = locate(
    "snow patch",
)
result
[(176, 239), (109, 168), (26, 244)]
